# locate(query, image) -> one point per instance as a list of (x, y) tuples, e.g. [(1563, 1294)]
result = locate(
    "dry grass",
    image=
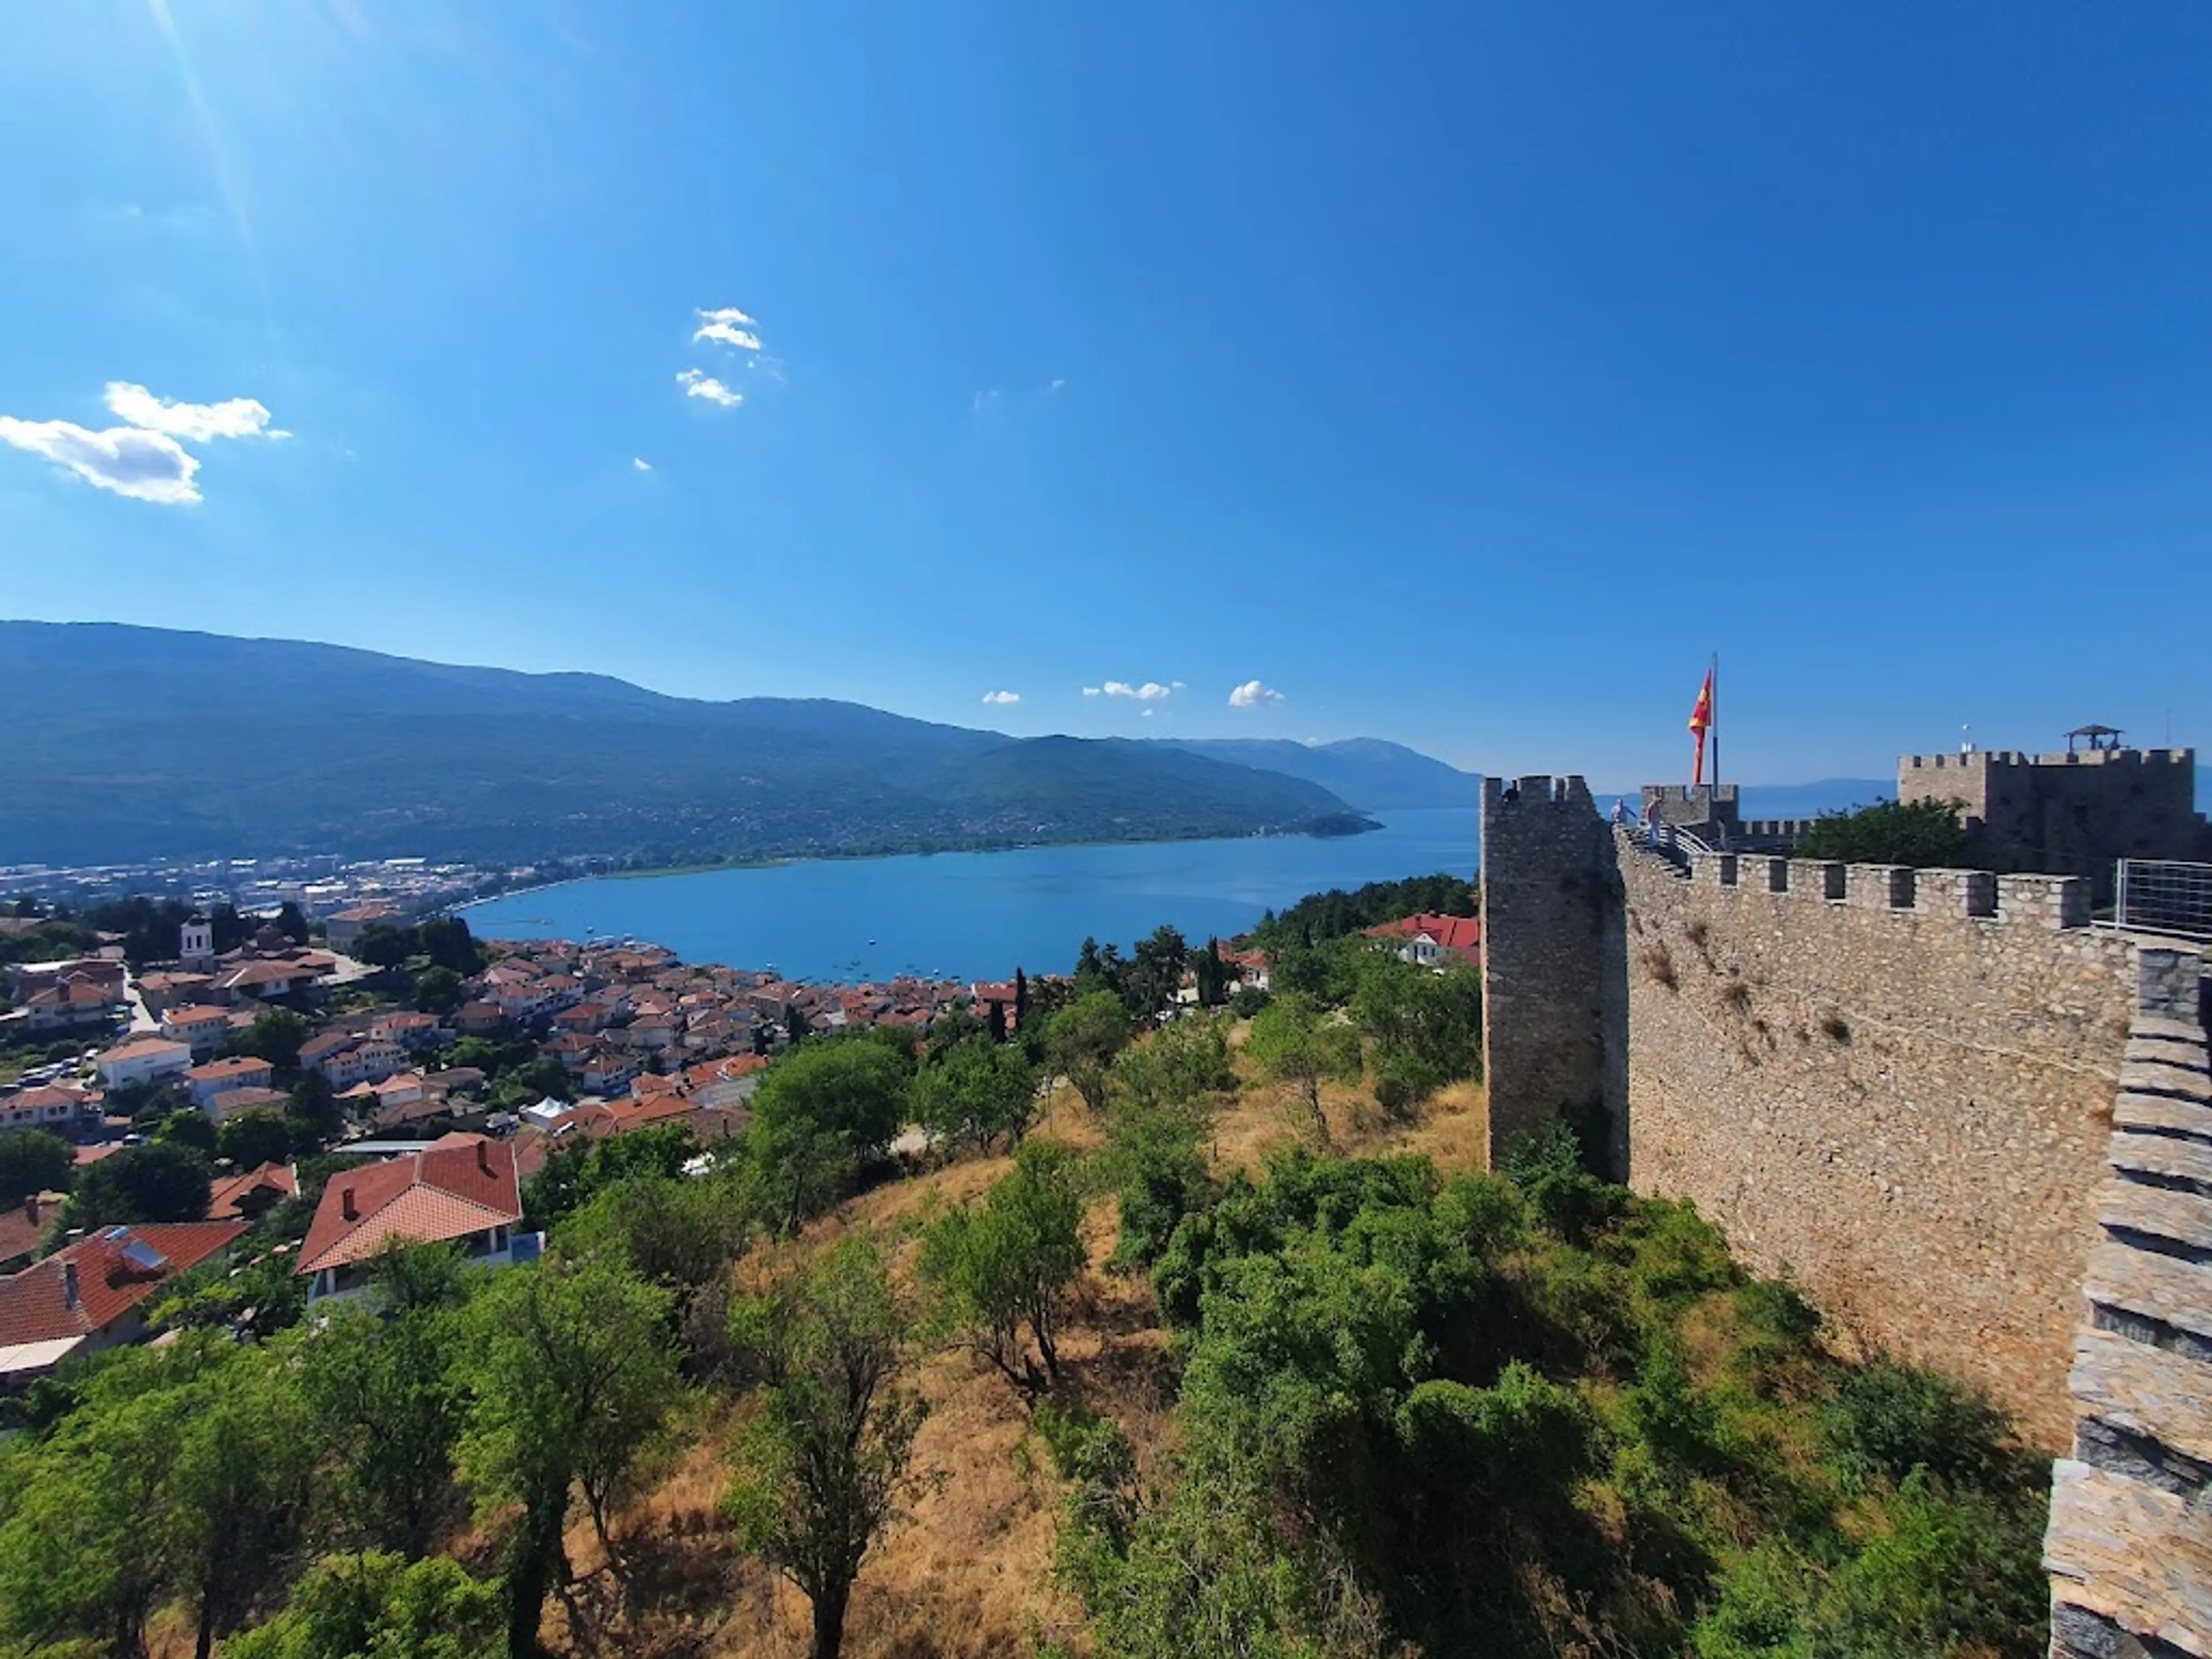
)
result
[(969, 1573)]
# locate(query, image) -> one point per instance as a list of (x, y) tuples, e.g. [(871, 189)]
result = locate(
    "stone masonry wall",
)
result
[(2130, 1545), (1895, 1086), (1550, 913)]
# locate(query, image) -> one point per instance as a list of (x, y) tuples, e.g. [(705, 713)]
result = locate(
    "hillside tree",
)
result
[(572, 1380), (1083, 1040), (824, 1465), (1004, 1267), (1297, 1044)]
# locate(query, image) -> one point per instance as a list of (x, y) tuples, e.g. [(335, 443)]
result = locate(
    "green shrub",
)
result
[(1403, 1080), (1926, 834), (1772, 1307), (1888, 1419), (1549, 1167)]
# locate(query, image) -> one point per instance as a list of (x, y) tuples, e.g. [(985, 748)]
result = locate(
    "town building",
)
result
[(220, 1077), (143, 1059), (1430, 941), (462, 1190), (93, 1294), (61, 1107), (345, 928), (252, 1195), (200, 1026)]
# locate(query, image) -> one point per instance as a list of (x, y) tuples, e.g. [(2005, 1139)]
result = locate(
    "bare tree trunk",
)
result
[(830, 1606)]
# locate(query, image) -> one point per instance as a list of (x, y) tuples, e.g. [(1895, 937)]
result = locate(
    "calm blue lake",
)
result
[(977, 915)]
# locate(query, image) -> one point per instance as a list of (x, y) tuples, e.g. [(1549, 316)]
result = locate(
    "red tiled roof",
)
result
[(1453, 933), (228, 1102), (231, 1191), (111, 1278), (141, 1046), (443, 1193), (51, 1094), (641, 1114), (195, 1014), (267, 973), (23, 1225), (216, 1070)]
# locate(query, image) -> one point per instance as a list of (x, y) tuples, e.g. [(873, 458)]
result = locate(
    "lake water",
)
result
[(977, 915)]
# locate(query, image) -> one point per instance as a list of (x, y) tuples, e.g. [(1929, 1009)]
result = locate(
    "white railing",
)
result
[(2164, 895)]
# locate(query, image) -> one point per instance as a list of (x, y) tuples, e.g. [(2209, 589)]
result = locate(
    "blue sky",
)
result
[(1461, 375)]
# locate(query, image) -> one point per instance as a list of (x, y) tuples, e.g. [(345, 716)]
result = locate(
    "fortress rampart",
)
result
[(1894, 1085), (1976, 1129)]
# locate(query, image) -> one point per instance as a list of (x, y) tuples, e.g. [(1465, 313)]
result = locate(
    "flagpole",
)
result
[(1714, 715)]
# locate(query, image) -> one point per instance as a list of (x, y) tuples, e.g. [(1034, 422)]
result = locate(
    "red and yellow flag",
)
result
[(1701, 722)]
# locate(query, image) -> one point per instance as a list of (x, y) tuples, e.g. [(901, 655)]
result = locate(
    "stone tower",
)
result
[(196, 947), (1554, 968)]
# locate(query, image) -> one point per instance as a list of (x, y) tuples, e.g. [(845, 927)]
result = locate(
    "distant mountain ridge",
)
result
[(1374, 775), (138, 742)]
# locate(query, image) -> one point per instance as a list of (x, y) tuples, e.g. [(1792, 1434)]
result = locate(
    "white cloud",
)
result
[(1002, 696), (199, 423), (729, 326), (728, 334), (1149, 713), (1253, 695), (697, 383), (1056, 386), (147, 466), (1150, 691), (1093, 691), (640, 464)]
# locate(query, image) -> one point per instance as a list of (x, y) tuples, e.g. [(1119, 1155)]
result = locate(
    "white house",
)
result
[(219, 1076), (200, 1027), (144, 1059), (57, 1106)]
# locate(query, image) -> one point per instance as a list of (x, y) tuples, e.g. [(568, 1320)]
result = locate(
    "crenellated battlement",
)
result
[(2048, 903), (1986, 760), (1538, 790)]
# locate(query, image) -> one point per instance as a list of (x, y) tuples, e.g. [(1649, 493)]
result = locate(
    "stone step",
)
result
[(2177, 1081), (2162, 1155), (2151, 1287), (2162, 1113), (2152, 1392), (2138, 1556), (2184, 1217), (2167, 1051)]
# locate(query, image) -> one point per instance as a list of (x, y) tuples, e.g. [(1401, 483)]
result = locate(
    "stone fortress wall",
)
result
[(1547, 881), (1895, 1086), (2071, 814), (1975, 1128)]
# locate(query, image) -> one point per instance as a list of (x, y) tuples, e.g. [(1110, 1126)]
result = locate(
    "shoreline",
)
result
[(776, 862)]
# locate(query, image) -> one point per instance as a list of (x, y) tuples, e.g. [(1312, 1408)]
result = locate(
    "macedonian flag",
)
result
[(1701, 722)]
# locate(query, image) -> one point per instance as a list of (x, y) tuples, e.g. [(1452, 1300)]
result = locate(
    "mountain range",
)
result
[(130, 744)]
